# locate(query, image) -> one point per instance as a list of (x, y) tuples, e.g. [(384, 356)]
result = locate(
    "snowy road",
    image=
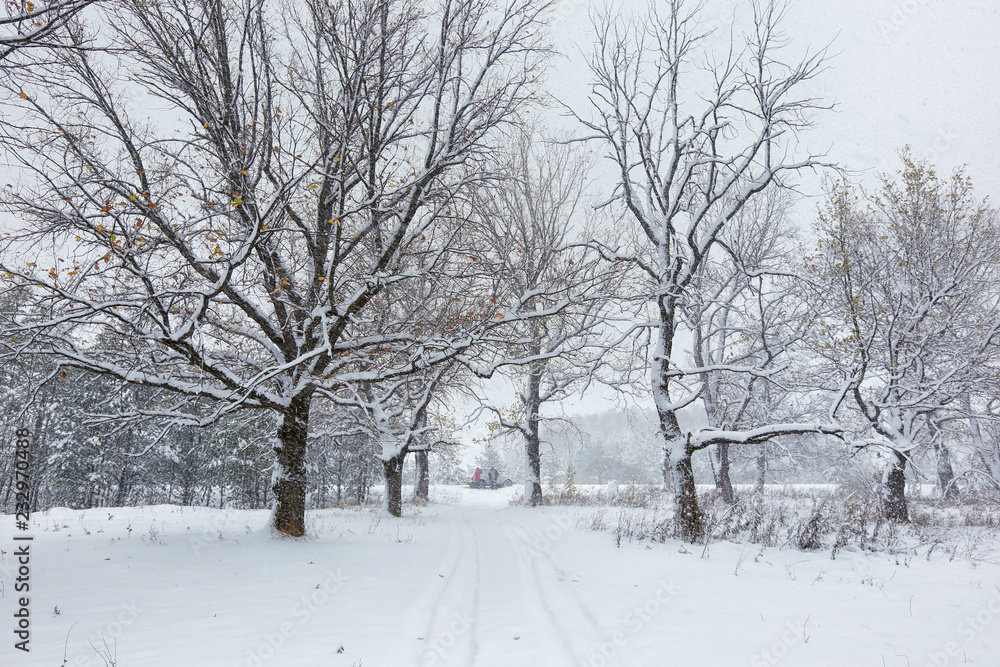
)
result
[(497, 594), (469, 581)]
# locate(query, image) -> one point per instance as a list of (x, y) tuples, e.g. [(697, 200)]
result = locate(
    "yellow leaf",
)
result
[(24, 95)]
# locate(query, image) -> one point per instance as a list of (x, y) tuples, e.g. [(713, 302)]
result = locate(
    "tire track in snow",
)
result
[(534, 603), (437, 624), (443, 616), (569, 616), (495, 599)]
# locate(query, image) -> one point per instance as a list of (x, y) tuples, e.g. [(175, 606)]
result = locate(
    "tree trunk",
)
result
[(942, 455), (979, 442), (532, 439), (945, 472), (719, 454), (393, 470), (690, 521), (121, 491), (534, 483), (758, 485), (690, 524), (720, 468), (894, 488), (423, 486), (289, 481)]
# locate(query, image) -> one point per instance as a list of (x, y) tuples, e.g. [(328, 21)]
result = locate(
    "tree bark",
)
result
[(978, 441), (758, 485), (393, 471), (534, 484), (894, 488), (289, 483), (690, 525), (720, 467), (719, 454), (532, 444), (942, 459), (690, 520), (423, 486), (945, 471)]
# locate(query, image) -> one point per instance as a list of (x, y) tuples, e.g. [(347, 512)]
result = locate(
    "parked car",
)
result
[(484, 483)]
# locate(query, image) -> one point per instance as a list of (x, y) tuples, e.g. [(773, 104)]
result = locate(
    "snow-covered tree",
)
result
[(745, 311), (692, 144), (27, 24), (984, 441), (910, 277), (242, 243), (534, 223)]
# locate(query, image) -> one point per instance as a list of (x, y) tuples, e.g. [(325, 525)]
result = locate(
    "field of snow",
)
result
[(470, 580)]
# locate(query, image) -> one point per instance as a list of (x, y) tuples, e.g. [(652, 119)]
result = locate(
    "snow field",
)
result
[(470, 580)]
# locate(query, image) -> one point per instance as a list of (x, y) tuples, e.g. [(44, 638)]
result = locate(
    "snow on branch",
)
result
[(708, 437)]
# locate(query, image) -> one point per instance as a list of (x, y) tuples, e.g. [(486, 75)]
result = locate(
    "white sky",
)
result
[(917, 72)]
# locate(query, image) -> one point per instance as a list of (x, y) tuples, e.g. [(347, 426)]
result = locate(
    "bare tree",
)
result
[(692, 146), (29, 24), (745, 309), (910, 277), (535, 234), (244, 243), (984, 441)]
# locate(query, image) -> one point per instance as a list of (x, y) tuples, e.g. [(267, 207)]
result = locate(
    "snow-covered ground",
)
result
[(470, 580)]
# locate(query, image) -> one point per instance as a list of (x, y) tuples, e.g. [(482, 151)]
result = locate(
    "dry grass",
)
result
[(799, 520)]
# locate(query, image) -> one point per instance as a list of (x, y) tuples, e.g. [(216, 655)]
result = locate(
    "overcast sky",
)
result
[(917, 72)]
